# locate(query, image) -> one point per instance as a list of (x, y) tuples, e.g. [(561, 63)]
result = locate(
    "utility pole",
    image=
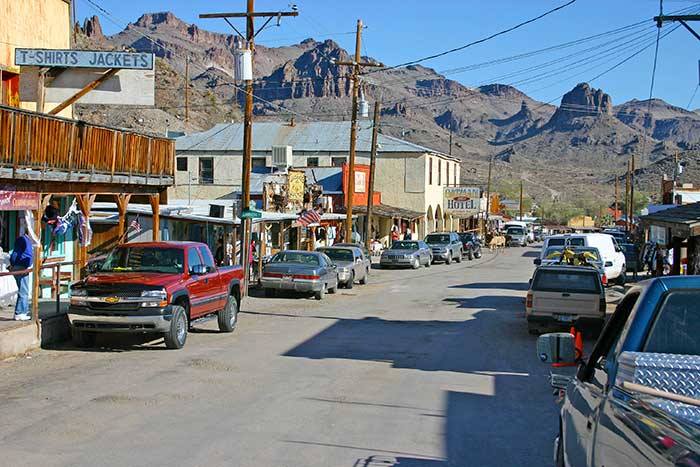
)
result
[(187, 89), (521, 200), (617, 183), (627, 197), (356, 65), (250, 15), (372, 168), (488, 198)]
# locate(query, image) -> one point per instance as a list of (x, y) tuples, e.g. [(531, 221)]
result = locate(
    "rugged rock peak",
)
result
[(500, 90), (148, 20), (582, 101), (93, 29)]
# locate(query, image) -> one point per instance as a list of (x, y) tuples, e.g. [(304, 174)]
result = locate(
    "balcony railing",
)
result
[(80, 152)]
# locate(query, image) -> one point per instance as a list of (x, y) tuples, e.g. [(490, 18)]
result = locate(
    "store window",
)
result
[(206, 171), (338, 161), (448, 172), (312, 161), (259, 162), (430, 170), (439, 172)]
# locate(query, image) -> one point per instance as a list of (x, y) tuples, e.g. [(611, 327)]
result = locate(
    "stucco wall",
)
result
[(33, 23)]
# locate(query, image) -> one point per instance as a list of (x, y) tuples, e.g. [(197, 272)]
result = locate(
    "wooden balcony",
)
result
[(43, 153)]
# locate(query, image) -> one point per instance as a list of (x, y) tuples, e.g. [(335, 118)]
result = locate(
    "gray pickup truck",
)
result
[(636, 399)]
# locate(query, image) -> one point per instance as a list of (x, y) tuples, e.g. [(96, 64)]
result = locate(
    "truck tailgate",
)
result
[(566, 303)]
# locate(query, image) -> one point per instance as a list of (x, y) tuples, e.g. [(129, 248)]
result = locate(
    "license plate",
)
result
[(564, 318), (287, 278)]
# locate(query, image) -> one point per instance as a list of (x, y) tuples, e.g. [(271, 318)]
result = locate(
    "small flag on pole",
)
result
[(134, 225), (309, 217)]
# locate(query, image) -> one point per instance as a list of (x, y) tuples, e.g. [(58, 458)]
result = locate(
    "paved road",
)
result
[(420, 368)]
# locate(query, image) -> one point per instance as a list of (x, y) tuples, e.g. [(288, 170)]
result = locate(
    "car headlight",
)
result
[(407, 256), (154, 298), (76, 297)]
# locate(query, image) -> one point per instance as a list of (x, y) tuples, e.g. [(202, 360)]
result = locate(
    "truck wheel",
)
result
[(321, 293), (429, 263), (332, 290), (477, 255), (351, 282), (415, 264), (470, 255), (459, 257), (83, 339), (176, 337), (622, 278), (449, 258), (228, 317)]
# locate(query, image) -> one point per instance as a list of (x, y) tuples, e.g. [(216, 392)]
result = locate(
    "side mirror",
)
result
[(556, 347), (618, 249), (537, 262), (608, 264), (198, 270)]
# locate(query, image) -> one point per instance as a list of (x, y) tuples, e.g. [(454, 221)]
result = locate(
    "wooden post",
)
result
[(155, 208), (122, 205), (85, 204), (41, 90), (262, 240), (372, 169), (37, 262)]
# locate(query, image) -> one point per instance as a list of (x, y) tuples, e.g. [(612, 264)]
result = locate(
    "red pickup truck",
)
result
[(158, 287)]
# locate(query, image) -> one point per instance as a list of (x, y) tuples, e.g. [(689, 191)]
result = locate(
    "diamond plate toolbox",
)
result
[(679, 374)]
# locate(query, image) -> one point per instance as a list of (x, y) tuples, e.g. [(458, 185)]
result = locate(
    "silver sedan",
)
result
[(300, 271), (350, 262), (407, 253)]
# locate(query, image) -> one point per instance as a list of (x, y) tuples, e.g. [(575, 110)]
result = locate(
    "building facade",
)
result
[(409, 176)]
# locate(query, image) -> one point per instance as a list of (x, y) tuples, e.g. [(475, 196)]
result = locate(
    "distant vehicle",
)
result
[(625, 404), (527, 227), (561, 296), (300, 271), (619, 235), (366, 255), (350, 262), (413, 253), (158, 287), (445, 246), (610, 251), (633, 260), (553, 254), (471, 245), (516, 236)]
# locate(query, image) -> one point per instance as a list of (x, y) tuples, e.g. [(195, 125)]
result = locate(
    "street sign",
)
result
[(250, 214), (96, 59)]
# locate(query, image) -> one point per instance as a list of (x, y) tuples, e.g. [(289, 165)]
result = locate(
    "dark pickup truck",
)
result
[(636, 399), (158, 287)]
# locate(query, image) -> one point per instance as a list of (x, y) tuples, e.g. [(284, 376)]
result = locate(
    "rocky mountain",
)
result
[(577, 147)]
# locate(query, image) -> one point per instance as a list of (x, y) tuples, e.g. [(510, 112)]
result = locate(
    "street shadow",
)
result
[(531, 254), (114, 343), (493, 285), (489, 302)]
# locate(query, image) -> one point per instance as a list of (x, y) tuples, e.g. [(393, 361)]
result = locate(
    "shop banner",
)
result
[(462, 201), (18, 200)]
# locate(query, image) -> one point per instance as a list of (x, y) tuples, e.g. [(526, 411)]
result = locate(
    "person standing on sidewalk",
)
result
[(20, 259)]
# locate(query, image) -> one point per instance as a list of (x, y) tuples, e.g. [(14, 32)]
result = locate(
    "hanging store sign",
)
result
[(462, 201), (83, 59), (296, 187), (18, 201)]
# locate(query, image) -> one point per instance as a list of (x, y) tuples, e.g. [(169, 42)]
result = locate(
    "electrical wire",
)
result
[(687, 107)]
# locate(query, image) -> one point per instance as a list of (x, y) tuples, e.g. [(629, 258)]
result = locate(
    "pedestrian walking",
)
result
[(20, 259)]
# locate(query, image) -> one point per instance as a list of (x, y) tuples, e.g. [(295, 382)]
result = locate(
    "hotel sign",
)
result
[(83, 59), (462, 201)]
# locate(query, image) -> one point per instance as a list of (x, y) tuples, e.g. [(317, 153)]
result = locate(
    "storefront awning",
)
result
[(384, 210), (684, 221)]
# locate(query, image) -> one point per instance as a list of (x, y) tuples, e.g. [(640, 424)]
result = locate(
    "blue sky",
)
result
[(402, 30)]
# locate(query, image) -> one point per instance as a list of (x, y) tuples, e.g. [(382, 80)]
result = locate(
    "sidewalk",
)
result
[(19, 337)]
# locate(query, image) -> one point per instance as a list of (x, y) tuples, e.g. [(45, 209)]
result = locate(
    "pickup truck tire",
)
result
[(459, 257), (228, 317), (176, 337), (83, 339), (449, 258), (351, 282), (470, 255), (363, 281)]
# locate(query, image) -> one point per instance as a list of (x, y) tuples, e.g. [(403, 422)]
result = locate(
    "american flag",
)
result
[(134, 225), (309, 217)]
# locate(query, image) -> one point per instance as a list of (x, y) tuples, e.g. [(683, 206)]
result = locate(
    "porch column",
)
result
[(85, 204), (155, 208), (37, 262), (122, 205)]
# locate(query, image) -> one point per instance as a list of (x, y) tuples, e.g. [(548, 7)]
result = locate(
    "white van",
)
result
[(610, 252), (526, 226)]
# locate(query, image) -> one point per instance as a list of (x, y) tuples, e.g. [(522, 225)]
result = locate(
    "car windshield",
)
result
[(295, 257), (338, 254), (437, 238), (404, 246), (515, 231), (145, 259), (575, 241), (551, 280)]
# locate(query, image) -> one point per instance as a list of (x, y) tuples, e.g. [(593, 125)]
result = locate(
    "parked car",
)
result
[(350, 264), (516, 236), (300, 271), (158, 287), (552, 256), (613, 413), (471, 245), (561, 296), (615, 266), (413, 253), (445, 246), (366, 256), (632, 257)]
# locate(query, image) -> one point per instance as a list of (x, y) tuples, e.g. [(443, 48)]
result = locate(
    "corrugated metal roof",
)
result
[(685, 218), (312, 136)]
